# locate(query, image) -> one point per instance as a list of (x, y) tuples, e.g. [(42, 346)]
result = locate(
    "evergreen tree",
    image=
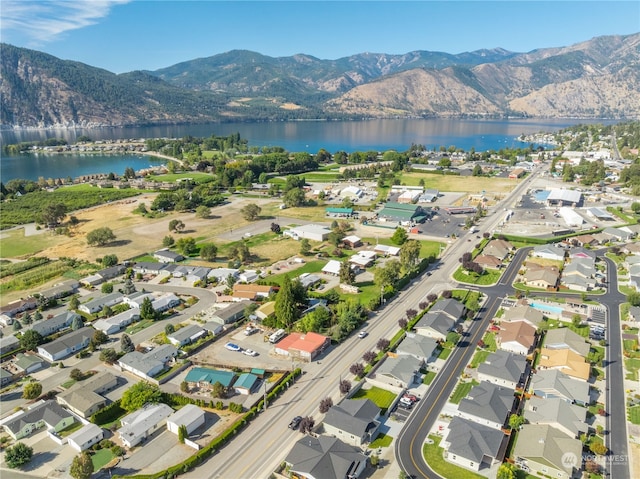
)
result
[(146, 309), (285, 307), (347, 276), (18, 455), (77, 323), (128, 287), (126, 344)]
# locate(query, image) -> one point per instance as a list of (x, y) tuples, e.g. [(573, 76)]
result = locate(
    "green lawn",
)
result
[(101, 458), (429, 377), (433, 455), (490, 342), (478, 358), (139, 326), (381, 441), (444, 353), (380, 397), (634, 415), (490, 276), (462, 389), (310, 267), (633, 366), (173, 177)]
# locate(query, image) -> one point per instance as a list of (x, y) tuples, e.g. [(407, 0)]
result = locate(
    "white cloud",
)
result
[(43, 20)]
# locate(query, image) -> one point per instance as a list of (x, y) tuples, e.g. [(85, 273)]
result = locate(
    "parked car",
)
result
[(232, 347), (250, 330), (362, 334), (405, 403), (410, 397), (249, 352), (295, 422)]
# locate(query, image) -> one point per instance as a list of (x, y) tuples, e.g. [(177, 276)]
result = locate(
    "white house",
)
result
[(548, 252), (311, 232), (66, 345), (187, 335), (190, 416), (332, 267), (142, 423), (118, 322), (149, 364), (85, 437)]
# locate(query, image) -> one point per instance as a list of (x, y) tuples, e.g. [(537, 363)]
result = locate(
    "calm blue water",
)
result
[(310, 136), (544, 307)]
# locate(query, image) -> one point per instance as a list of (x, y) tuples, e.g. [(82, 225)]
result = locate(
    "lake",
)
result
[(310, 136)]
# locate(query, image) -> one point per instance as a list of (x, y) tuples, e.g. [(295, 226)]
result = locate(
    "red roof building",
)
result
[(302, 346)]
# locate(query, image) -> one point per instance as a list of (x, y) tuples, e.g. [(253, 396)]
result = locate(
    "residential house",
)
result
[(579, 274), (565, 338), (332, 267), (307, 280), (311, 232), (8, 344), (117, 323), (420, 347), (498, 248), (582, 253), (302, 346), (546, 278), (205, 378), (542, 449), (451, 307), (251, 291), (488, 261), (61, 290), (230, 314), (85, 437), (517, 337), (631, 248), (435, 325), (618, 234), (385, 250), (142, 423), (472, 445), (145, 267), (44, 413), (66, 345), (111, 272), (246, 383), (221, 275), (148, 365), (17, 307), (353, 421), (136, 299), (5, 377), (248, 276), (85, 398), (548, 251), (266, 310), (504, 369), (55, 324), (186, 335), (569, 418), (529, 315), (634, 313), (165, 302), (166, 256), (190, 416), (352, 241), (96, 305), (28, 363), (565, 360), (325, 457), (553, 383), (399, 371), (488, 404), (585, 240), (363, 259)]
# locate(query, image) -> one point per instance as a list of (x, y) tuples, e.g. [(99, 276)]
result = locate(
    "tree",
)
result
[(176, 226), (369, 357), (576, 319), (100, 237), (18, 455), (30, 340), (26, 319), (515, 421), (77, 323), (32, 390), (347, 276), (598, 448), (275, 228), (306, 425), (109, 260), (109, 355), (17, 325), (387, 274), (128, 287), (344, 386), (203, 211), (52, 214), (305, 246), (169, 329), (168, 241), (402, 323), (146, 309), (294, 197), (99, 337), (240, 251), (635, 207), (633, 298), (506, 471), (139, 394), (186, 246), (251, 212), (37, 316), (106, 288), (126, 344), (76, 374), (184, 387), (218, 390), (182, 433), (74, 303), (357, 369), (409, 254), (477, 170), (208, 252), (383, 343), (325, 405), (285, 306)]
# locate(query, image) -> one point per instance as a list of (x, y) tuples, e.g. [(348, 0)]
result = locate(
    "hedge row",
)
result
[(207, 451), (108, 414)]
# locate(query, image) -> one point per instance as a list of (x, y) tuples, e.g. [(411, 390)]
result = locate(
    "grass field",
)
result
[(490, 276), (469, 184), (196, 176), (380, 397), (101, 458), (434, 457), (16, 245), (461, 390)]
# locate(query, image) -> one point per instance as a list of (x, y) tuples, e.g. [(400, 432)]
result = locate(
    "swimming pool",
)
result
[(547, 308)]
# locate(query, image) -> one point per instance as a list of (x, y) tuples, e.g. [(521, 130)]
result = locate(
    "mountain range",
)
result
[(598, 78)]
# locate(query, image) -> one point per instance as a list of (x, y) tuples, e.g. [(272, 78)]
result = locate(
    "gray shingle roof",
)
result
[(560, 384), (488, 401), (355, 416), (474, 441), (544, 443), (563, 338), (324, 457), (504, 365), (451, 307), (48, 411), (417, 346), (549, 411), (402, 368)]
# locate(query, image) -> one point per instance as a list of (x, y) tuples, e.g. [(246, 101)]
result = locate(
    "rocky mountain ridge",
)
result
[(599, 78)]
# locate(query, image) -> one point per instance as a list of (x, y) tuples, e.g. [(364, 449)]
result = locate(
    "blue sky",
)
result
[(126, 35)]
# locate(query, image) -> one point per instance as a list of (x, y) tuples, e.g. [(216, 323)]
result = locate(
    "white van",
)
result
[(277, 336)]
